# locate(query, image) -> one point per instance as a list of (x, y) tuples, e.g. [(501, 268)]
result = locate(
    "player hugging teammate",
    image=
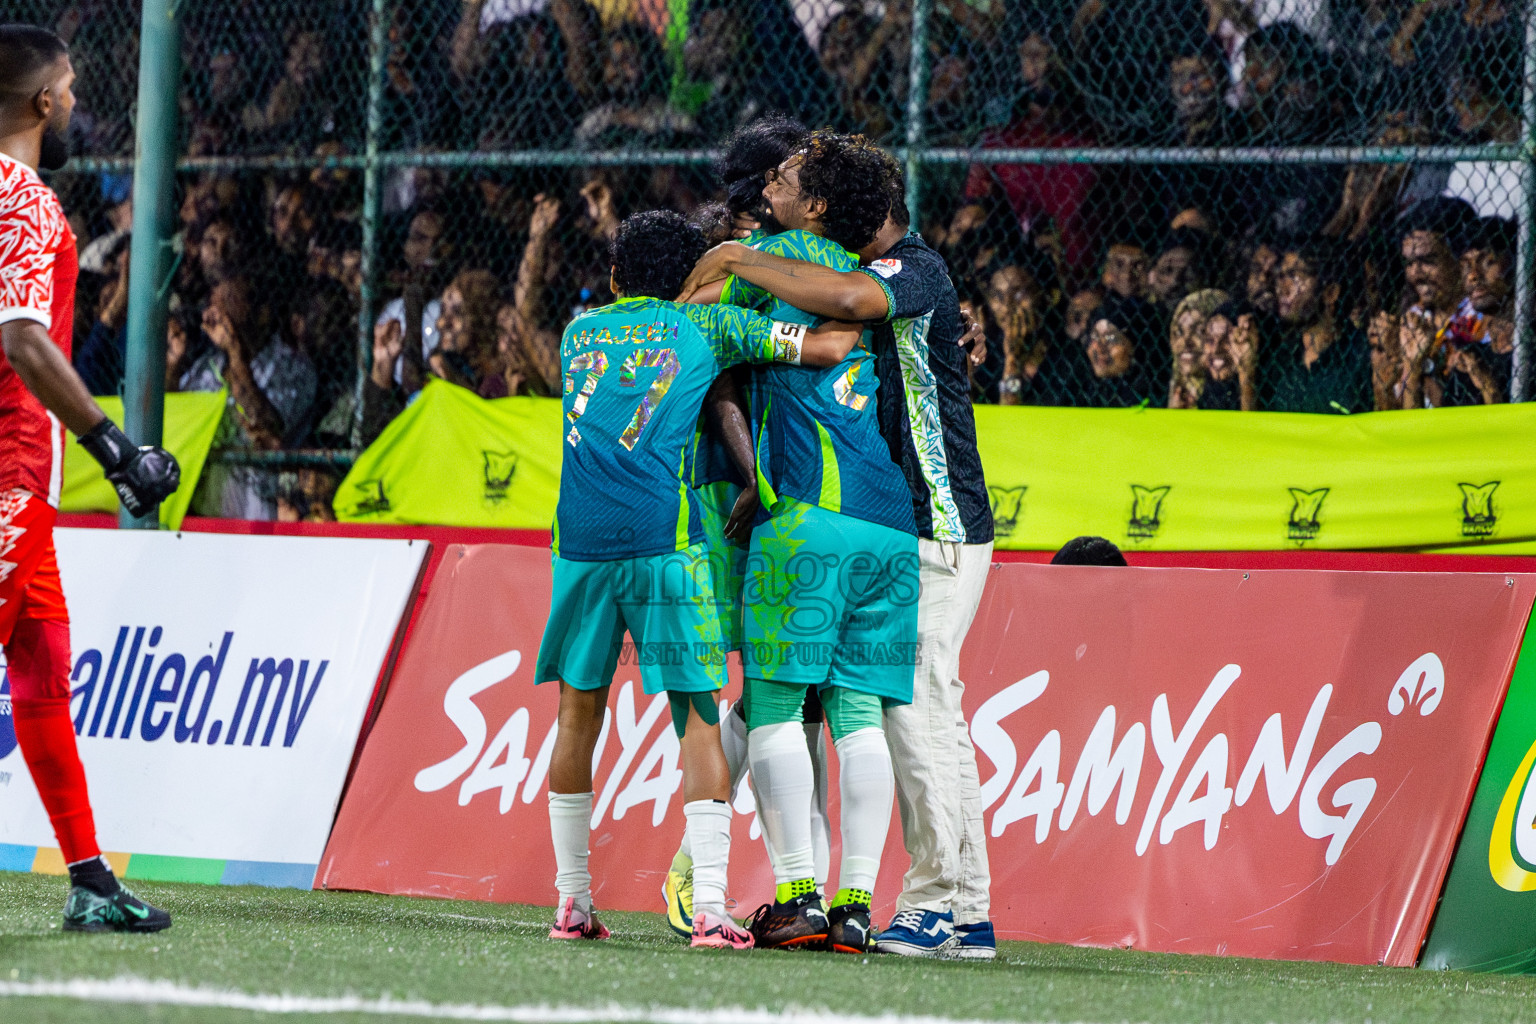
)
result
[(870, 538)]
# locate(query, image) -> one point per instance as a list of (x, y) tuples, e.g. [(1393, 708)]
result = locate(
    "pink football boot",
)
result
[(714, 932), (573, 923)]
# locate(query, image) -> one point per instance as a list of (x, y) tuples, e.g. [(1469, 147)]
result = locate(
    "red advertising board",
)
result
[(1266, 764)]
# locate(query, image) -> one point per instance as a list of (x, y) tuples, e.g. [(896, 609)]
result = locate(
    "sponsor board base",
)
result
[(149, 867)]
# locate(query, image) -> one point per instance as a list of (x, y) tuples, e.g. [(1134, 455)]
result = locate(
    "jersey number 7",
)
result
[(595, 364)]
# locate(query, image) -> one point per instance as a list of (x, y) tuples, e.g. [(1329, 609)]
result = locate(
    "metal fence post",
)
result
[(378, 49), (917, 90), (1525, 264), (154, 208)]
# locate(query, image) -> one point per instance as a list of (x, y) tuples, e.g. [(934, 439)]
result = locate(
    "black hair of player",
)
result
[(1089, 551), (852, 176), (753, 150), (653, 253), (25, 50)]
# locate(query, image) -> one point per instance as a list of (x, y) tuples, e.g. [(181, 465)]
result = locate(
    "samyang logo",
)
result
[(1478, 516), (1299, 781), (139, 691), (1306, 507), (1512, 845), (513, 762), (1146, 511)]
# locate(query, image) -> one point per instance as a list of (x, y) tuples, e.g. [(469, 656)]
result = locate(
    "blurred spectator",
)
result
[(1288, 94), (1230, 359), (466, 335), (1180, 268), (1432, 234), (1079, 308), (1040, 365), (1478, 342), (423, 259), (524, 79), (862, 54), (741, 61), (1118, 341), (1045, 116), (1321, 362), (1089, 551), (102, 360), (272, 388), (1186, 344), (634, 111), (527, 346)]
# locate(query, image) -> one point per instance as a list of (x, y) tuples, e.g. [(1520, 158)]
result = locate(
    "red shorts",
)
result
[(29, 572)]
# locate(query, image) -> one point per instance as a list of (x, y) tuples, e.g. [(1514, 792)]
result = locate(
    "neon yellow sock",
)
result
[(681, 862), (846, 896), (786, 891)]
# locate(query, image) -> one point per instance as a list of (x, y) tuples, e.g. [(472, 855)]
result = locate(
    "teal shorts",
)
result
[(727, 560), (666, 603), (831, 601)]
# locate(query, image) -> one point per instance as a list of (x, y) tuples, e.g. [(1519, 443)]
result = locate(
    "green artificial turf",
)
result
[(283, 941)]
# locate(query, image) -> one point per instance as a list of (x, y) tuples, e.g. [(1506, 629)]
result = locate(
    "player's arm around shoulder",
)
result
[(796, 267), (741, 335)]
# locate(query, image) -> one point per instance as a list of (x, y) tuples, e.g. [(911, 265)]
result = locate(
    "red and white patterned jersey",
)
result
[(38, 268)]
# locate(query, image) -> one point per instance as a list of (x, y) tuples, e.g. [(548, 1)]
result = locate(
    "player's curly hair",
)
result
[(853, 176), (653, 252), (750, 152)]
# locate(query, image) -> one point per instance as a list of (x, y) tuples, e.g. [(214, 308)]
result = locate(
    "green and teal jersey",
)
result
[(635, 376), (817, 430)]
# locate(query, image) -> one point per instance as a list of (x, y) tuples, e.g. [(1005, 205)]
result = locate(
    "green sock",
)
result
[(845, 896), (681, 862), (786, 891)]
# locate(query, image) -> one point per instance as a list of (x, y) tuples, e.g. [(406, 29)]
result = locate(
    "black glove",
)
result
[(144, 477)]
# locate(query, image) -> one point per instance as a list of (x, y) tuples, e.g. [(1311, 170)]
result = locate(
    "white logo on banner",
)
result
[(647, 769), (1204, 798)]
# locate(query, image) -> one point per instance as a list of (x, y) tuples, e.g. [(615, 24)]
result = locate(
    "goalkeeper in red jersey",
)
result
[(41, 396)]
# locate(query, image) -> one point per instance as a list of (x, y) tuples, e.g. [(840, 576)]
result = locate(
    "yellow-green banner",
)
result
[(191, 420), (455, 459), (1460, 480)]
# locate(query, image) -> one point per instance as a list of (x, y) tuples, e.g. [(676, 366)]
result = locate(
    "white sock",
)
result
[(733, 740), (570, 826), (821, 822), (708, 827), (867, 788), (782, 776)]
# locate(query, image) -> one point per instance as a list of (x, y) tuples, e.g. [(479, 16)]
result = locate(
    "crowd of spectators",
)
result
[(1307, 287)]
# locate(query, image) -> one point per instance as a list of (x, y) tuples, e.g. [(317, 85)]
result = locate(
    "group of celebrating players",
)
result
[(770, 449)]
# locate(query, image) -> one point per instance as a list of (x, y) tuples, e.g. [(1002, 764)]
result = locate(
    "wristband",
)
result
[(108, 445), (788, 342)]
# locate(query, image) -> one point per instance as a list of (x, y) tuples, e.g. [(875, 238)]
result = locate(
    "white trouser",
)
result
[(938, 790)]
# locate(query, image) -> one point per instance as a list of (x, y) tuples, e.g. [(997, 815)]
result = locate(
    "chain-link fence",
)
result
[(1300, 205)]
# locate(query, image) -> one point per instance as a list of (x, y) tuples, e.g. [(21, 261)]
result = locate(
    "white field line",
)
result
[(139, 992)]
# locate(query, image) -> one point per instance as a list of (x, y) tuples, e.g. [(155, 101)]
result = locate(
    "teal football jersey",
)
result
[(635, 377), (818, 430)]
